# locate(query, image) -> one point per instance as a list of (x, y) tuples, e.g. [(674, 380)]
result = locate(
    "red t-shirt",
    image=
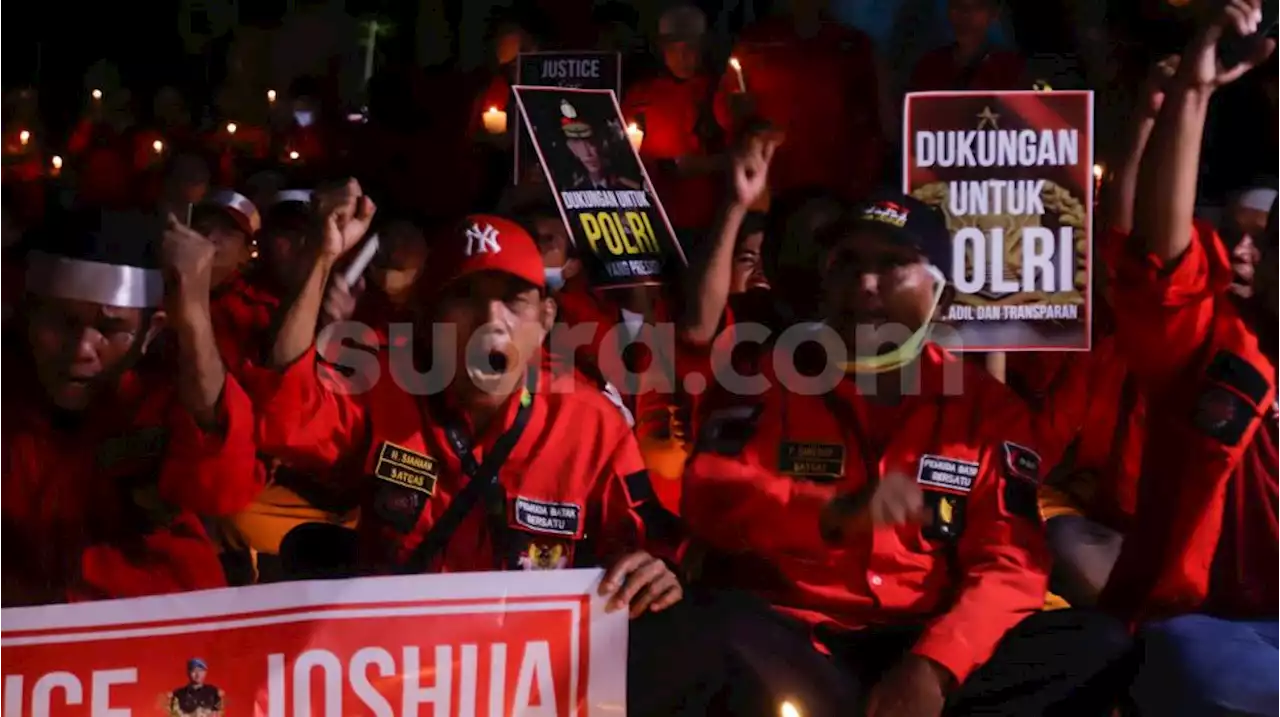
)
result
[(823, 94), (672, 114), (995, 70)]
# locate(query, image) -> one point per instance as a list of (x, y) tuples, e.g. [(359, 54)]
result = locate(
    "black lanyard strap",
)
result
[(482, 477)]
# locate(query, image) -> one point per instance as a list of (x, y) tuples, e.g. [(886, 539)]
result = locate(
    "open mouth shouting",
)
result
[(490, 358)]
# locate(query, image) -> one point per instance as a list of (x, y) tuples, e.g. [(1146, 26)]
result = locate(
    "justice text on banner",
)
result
[(473, 645)]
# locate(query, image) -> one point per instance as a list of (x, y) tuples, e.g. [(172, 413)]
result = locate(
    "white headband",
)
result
[(62, 277), (1259, 199)]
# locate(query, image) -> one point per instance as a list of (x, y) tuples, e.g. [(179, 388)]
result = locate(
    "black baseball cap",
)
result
[(908, 221)]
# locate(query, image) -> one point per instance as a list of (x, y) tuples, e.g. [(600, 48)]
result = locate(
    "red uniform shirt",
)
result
[(994, 70), (1205, 535), (108, 507), (766, 466), (575, 461), (824, 94), (674, 114), (243, 311)]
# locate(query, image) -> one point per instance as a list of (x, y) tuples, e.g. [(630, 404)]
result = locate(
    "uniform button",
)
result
[(876, 580)]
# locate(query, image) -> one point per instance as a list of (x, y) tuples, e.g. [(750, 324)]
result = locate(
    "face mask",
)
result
[(303, 117), (910, 349), (554, 277)]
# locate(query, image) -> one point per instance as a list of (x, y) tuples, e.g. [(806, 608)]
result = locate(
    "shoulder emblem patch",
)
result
[(1021, 461)]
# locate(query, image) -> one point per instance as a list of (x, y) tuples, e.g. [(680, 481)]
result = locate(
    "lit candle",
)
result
[(1098, 171), (495, 121), (293, 154), (97, 94), (56, 162), (271, 97), (24, 136), (636, 135), (737, 70), (158, 146), (786, 709), (231, 128)]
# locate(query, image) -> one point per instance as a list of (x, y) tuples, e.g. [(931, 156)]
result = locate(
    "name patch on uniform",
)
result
[(1021, 461), (406, 468), (821, 460), (545, 517), (947, 473)]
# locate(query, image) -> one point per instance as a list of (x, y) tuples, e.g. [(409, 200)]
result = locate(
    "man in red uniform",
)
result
[(815, 81), (506, 468), (971, 63), (109, 458), (681, 139), (1202, 553), (886, 516)]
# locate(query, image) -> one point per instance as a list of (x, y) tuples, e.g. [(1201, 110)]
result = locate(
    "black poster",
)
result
[(575, 70), (608, 204)]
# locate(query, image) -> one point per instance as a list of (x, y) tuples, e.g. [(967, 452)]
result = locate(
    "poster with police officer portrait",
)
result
[(605, 197), (573, 70)]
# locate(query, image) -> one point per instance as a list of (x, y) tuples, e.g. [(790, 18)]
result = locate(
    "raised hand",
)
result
[(1151, 94), (342, 231), (1201, 65), (188, 260), (749, 173)]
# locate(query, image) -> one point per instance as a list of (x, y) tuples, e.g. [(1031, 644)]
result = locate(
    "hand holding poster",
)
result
[(604, 194), (467, 644), (1013, 173)]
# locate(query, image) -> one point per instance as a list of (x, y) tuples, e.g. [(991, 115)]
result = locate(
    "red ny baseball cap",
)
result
[(485, 242)]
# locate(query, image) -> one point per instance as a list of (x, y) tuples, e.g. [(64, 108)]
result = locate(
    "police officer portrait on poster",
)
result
[(1013, 173), (605, 197)]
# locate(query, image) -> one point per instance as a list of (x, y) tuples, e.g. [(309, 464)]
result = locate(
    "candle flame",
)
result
[(158, 146), (733, 62), (97, 94), (294, 154), (633, 128), (493, 110), (271, 95), (231, 128), (1098, 171), (24, 136), (786, 709), (57, 162)]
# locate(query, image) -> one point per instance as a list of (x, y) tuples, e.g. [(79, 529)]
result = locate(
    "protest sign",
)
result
[(459, 644), (1013, 173), (605, 197), (574, 70)]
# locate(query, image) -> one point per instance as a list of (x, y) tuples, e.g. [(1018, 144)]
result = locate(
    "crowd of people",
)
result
[(211, 396)]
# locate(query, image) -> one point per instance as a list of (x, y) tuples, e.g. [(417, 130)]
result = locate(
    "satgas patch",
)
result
[(407, 469), (1021, 461), (537, 552), (546, 517), (1222, 414), (815, 461), (946, 473)]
